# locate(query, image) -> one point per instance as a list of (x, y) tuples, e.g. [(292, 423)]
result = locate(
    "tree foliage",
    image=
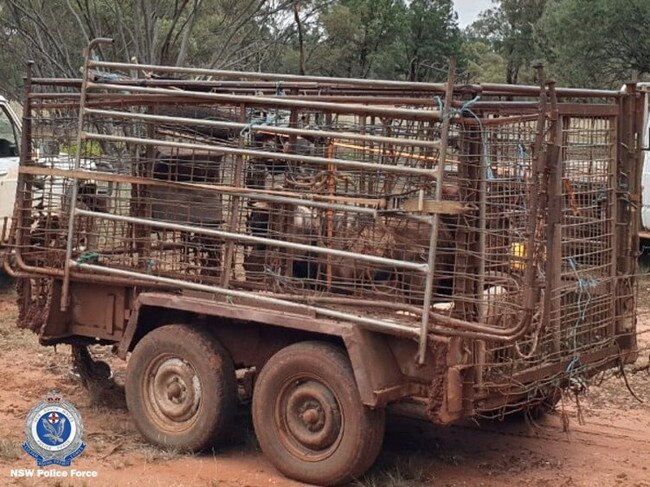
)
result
[(583, 42), (510, 27), (597, 42), (432, 37)]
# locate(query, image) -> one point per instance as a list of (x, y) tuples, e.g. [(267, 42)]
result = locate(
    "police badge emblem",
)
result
[(53, 430)]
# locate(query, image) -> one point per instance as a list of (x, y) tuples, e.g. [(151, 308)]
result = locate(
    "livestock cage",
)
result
[(503, 218)]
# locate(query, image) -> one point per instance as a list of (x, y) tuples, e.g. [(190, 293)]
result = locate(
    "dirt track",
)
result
[(611, 449)]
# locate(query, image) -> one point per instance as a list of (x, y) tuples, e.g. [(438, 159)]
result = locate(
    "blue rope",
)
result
[(246, 130), (465, 109), (584, 286)]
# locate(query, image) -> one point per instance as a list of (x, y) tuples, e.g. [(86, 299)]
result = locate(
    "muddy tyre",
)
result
[(309, 418), (181, 389)]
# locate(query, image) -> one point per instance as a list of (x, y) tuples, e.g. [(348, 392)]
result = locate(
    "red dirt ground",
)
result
[(611, 449)]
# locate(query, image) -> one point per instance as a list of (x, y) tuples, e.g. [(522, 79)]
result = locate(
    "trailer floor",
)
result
[(612, 448)]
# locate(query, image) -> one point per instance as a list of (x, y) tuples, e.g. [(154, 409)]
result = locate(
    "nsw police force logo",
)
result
[(53, 430)]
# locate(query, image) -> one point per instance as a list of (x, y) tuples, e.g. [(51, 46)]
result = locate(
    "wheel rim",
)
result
[(172, 392), (309, 419)]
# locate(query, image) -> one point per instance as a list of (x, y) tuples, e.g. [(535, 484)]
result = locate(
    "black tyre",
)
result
[(309, 418), (181, 389)]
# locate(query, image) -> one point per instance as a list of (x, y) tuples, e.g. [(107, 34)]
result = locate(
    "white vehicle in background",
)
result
[(9, 151), (10, 136), (645, 180)]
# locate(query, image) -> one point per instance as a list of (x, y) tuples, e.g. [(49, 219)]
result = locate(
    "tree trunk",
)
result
[(301, 41)]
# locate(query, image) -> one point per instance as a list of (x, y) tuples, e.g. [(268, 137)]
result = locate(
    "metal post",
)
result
[(23, 203), (65, 291), (435, 220)]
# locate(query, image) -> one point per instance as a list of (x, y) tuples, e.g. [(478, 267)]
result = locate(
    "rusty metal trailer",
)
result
[(445, 251)]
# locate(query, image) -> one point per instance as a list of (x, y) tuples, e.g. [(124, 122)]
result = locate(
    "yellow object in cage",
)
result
[(518, 255)]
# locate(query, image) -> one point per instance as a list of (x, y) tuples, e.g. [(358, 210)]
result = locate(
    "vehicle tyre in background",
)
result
[(181, 389), (309, 418)]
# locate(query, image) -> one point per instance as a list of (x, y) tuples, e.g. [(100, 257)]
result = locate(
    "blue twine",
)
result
[(246, 130), (584, 285), (466, 110)]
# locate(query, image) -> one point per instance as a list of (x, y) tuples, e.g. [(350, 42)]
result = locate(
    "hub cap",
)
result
[(310, 419), (174, 392)]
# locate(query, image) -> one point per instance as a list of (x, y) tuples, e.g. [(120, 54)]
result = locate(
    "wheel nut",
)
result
[(310, 416)]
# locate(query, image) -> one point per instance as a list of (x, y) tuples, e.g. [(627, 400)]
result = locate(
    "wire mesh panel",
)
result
[(219, 194), (579, 298)]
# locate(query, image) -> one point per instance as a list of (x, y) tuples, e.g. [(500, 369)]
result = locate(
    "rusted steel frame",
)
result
[(238, 78), (323, 201), (481, 346), (396, 100), (555, 161), (369, 323), (469, 329), (105, 97), (426, 100), (518, 387), (420, 267), (142, 101), (311, 88), (487, 88), (570, 109), (238, 75), (331, 185), (628, 218), (614, 210), (282, 102), (587, 109), (345, 96), (548, 370), (489, 122), (265, 128), (492, 105), (235, 206), (525, 90), (416, 310), (269, 155), (23, 202), (27, 271), (481, 331), (564, 108), (630, 151), (52, 95), (104, 100), (635, 188), (143, 205), (468, 193), (58, 273), (57, 81), (435, 219), (65, 288)]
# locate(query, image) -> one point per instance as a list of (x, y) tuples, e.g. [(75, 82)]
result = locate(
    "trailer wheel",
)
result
[(309, 419), (181, 388)]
